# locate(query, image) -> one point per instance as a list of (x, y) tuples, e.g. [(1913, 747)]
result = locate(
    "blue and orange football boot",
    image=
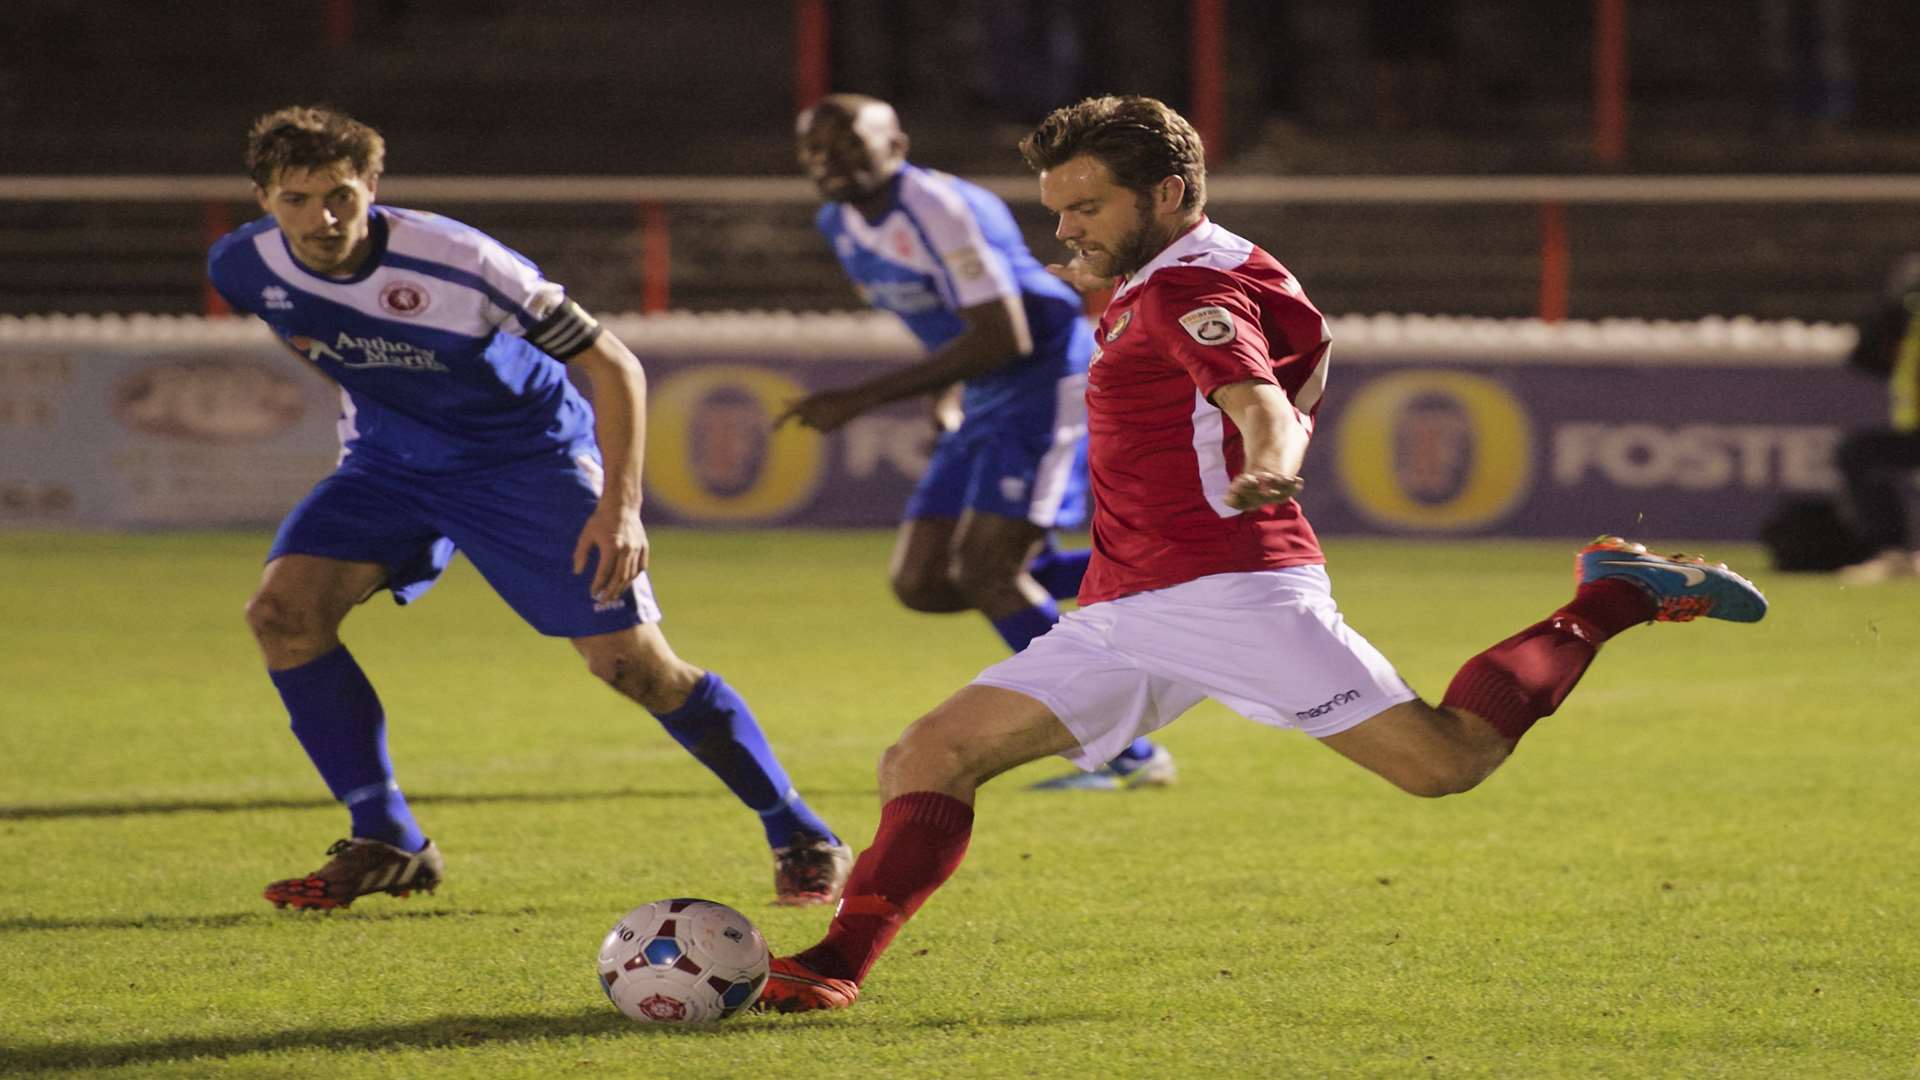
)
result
[(1683, 587), (793, 987)]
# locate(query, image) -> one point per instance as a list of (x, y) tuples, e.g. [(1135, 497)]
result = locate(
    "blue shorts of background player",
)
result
[(989, 495), (1037, 476)]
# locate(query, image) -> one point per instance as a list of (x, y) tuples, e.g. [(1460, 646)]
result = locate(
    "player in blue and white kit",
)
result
[(947, 258), (460, 429)]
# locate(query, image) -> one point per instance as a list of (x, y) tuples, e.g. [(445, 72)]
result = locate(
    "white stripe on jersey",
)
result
[(1210, 450), (975, 270), (455, 309), (451, 306), (1316, 385), (1207, 245), (435, 239), (1056, 465), (912, 255)]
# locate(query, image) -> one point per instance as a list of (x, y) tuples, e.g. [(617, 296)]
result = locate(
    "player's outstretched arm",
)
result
[(1273, 439), (620, 410), (996, 334)]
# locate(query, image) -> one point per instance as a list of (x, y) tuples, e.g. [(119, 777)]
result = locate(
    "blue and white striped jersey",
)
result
[(944, 245), (429, 340)]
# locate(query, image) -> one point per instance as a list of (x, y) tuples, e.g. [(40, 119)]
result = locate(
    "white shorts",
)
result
[(1269, 644)]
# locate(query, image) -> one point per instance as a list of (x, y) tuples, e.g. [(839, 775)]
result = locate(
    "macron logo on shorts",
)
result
[(1327, 706)]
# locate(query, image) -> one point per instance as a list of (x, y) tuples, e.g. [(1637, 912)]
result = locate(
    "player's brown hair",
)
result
[(1139, 138), (311, 137)]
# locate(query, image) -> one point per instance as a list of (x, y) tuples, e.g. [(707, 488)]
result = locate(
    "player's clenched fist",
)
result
[(1257, 487)]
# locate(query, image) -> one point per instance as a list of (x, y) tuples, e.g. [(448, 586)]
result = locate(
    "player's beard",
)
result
[(1138, 247), (327, 254)]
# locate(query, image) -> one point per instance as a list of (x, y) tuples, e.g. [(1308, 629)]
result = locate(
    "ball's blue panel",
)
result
[(662, 951)]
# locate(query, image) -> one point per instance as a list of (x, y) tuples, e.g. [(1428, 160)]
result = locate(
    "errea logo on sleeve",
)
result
[(1211, 325)]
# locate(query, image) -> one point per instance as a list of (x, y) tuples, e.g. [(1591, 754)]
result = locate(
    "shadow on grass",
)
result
[(28, 924), (48, 811), (443, 1032), (446, 1031)]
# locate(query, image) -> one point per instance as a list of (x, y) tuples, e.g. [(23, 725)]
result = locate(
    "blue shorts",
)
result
[(517, 524), (1040, 477)]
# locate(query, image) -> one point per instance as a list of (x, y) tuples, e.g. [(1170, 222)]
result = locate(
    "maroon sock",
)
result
[(922, 838), (1528, 675), (1609, 606)]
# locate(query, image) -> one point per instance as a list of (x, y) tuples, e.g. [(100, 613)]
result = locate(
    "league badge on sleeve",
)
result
[(966, 264), (1209, 325)]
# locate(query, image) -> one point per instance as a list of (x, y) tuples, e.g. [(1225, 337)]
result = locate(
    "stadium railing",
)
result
[(1548, 246)]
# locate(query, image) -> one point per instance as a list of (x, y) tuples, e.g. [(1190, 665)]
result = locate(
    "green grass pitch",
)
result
[(1707, 865)]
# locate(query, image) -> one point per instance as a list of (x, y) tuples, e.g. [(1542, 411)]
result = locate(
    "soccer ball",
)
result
[(683, 962)]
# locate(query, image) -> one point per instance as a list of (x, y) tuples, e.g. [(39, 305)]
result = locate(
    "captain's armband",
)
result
[(566, 332)]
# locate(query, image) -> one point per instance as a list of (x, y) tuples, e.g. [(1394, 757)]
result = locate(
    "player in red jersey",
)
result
[(1206, 580)]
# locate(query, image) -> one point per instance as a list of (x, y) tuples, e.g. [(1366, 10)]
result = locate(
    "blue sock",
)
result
[(718, 729), (338, 719), (1059, 572), (1026, 624)]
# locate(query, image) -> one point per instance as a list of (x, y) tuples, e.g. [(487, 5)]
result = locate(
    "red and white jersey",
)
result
[(1209, 311)]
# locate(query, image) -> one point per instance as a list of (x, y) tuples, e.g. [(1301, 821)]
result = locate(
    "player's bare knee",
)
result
[(920, 590), (291, 631), (922, 760), (276, 621), (980, 577), (629, 673), (660, 685)]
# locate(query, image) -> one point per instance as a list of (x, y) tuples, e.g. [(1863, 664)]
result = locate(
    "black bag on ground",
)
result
[(1808, 533)]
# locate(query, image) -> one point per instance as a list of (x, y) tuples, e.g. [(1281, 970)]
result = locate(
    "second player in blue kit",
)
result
[(947, 258)]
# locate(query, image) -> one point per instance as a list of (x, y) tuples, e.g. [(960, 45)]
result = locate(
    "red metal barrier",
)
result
[(656, 258), (1553, 262), (216, 221), (1207, 29), (1609, 81), (336, 22), (812, 61)]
